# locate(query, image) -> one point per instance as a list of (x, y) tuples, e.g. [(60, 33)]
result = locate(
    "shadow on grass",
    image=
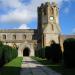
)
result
[(10, 70), (56, 67)]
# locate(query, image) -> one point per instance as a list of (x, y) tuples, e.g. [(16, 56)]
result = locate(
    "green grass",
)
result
[(57, 67), (12, 68)]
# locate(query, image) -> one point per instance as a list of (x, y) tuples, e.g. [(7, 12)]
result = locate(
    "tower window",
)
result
[(52, 27), (4, 36), (24, 36), (52, 11), (45, 11), (14, 37)]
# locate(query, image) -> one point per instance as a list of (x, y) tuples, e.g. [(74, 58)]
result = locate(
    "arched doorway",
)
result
[(22, 49), (26, 52)]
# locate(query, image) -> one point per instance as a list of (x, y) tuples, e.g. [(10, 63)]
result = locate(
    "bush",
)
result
[(69, 52), (1, 44), (1, 54), (40, 53), (54, 53), (48, 52), (7, 53)]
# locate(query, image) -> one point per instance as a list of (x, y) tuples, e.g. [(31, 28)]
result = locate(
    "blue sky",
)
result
[(22, 14)]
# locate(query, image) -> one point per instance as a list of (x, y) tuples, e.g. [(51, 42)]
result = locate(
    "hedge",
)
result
[(54, 53), (7, 53), (69, 52)]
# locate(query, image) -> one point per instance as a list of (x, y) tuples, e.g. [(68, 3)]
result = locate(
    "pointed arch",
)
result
[(52, 27)]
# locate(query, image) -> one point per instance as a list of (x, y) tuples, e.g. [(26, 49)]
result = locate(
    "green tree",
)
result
[(69, 52)]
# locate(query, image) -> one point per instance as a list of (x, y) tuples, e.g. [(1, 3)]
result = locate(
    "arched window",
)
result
[(45, 11), (52, 27), (4, 36), (14, 37), (24, 36), (52, 11)]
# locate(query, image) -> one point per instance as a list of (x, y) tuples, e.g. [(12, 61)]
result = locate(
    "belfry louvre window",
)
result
[(45, 11), (4, 36), (24, 36), (14, 37), (52, 27)]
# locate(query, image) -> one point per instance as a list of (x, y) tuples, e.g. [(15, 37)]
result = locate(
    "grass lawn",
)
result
[(12, 68), (57, 67)]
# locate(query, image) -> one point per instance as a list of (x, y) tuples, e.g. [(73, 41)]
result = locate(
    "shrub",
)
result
[(1, 44), (7, 53), (69, 52), (1, 54), (48, 53), (54, 53), (40, 53)]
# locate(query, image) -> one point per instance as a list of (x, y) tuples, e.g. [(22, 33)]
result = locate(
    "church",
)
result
[(29, 40)]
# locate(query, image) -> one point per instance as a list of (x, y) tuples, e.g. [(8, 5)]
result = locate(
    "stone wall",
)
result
[(20, 39)]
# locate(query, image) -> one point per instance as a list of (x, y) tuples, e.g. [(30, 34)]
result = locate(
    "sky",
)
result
[(22, 14)]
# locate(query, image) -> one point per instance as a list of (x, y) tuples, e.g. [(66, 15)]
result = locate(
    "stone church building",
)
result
[(48, 29)]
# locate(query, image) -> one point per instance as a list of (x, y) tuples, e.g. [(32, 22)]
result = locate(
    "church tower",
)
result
[(48, 24)]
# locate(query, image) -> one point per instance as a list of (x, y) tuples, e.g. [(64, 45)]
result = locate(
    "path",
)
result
[(32, 67)]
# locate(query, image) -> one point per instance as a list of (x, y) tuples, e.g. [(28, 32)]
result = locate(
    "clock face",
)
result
[(51, 18)]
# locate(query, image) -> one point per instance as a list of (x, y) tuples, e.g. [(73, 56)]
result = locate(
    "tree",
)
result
[(69, 52), (54, 53)]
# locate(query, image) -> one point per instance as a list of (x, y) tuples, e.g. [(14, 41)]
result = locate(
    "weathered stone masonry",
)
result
[(48, 29)]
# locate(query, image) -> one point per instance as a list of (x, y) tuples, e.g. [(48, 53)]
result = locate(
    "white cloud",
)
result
[(24, 26), (19, 15), (22, 13), (10, 3)]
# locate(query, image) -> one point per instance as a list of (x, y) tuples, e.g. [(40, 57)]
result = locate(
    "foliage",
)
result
[(1, 54), (7, 53), (1, 44), (54, 53), (48, 52), (69, 52), (40, 53)]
